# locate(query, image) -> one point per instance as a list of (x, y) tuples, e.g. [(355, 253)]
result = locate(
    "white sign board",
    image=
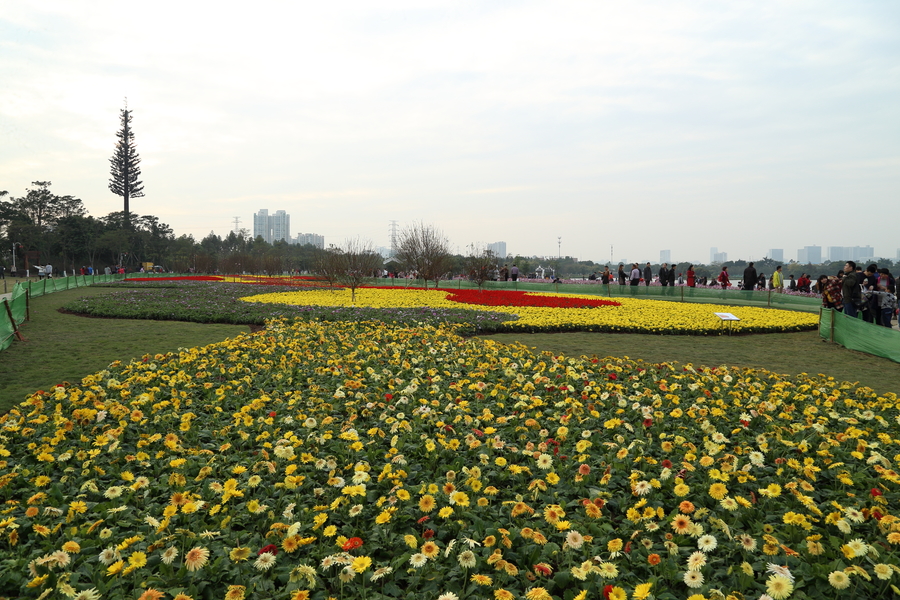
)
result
[(727, 316)]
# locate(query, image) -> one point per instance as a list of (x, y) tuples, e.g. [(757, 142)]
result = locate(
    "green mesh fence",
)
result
[(14, 310), (678, 293), (856, 334)]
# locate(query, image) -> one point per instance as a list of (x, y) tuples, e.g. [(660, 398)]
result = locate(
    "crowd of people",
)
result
[(870, 293)]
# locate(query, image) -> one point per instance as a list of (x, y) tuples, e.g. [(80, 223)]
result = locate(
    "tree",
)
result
[(481, 265), (358, 262), (327, 264), (424, 249), (125, 164)]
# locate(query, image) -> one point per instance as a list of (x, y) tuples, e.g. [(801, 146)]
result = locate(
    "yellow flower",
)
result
[(641, 591), (361, 563)]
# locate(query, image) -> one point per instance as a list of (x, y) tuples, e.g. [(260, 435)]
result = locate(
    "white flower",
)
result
[(265, 561)]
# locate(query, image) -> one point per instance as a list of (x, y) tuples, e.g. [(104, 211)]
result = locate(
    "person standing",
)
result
[(691, 277), (663, 275), (850, 293), (671, 275), (514, 272), (605, 276), (750, 277), (48, 271), (635, 274), (648, 274), (621, 274), (778, 280)]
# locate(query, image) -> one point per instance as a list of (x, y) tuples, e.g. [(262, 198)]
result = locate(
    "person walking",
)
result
[(514, 272), (648, 274), (723, 279), (621, 274), (691, 277)]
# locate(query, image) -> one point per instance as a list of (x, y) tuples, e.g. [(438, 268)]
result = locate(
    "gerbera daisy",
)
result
[(108, 556), (839, 580), (347, 574), (467, 559), (642, 488), (707, 543), (779, 587), (574, 539), (418, 560), (682, 524), (696, 561), (239, 554), (381, 572), (779, 570), (448, 596), (481, 579), (883, 571), (544, 461), (693, 579), (747, 542), (430, 549), (91, 594), (196, 558), (265, 561)]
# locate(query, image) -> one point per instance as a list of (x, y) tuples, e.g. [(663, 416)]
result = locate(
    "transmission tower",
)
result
[(237, 224), (393, 230)]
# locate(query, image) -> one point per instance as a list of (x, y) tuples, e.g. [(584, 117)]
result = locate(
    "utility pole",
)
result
[(393, 231), (559, 242), (237, 224)]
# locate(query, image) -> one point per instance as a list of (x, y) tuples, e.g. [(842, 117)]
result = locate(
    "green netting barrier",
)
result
[(14, 310), (678, 293), (856, 334)]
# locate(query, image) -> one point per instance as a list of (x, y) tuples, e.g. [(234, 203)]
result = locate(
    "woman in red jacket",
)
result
[(723, 278), (691, 277)]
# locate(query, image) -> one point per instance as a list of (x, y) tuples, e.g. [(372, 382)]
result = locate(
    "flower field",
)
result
[(531, 312), (364, 460)]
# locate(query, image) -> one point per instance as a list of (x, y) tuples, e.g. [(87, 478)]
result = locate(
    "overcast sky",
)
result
[(640, 126)]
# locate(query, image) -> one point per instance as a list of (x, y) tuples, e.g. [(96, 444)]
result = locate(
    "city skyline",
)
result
[(567, 128)]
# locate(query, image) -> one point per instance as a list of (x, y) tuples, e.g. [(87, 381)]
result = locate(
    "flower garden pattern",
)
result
[(360, 460), (563, 312)]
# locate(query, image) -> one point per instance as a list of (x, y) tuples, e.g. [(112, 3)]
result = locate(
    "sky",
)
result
[(599, 130)]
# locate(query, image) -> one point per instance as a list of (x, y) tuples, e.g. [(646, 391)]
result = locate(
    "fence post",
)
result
[(16, 331), (27, 305)]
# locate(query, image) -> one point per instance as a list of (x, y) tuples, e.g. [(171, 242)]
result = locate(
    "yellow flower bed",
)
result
[(633, 315)]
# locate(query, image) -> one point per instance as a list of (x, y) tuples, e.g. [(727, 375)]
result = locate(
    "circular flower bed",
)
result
[(318, 460), (564, 312)]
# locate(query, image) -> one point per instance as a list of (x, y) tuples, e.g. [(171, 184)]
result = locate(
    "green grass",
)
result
[(785, 353), (62, 347)]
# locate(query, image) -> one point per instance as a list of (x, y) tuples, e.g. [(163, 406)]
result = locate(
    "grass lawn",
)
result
[(62, 347), (786, 353)]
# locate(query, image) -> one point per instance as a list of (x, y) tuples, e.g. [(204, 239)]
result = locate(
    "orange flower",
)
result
[(654, 559), (686, 507), (151, 594)]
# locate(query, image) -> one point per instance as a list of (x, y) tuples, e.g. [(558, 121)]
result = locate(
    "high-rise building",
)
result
[(855, 253), (810, 255), (272, 227), (777, 254), (312, 239), (499, 249), (665, 256), (712, 254), (261, 224)]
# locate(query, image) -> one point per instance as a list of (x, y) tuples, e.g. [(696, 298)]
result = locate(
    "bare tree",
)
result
[(327, 264), (481, 265), (424, 249), (350, 266), (359, 262)]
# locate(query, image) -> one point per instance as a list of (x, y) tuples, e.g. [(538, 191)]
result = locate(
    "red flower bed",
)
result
[(515, 298), (183, 278)]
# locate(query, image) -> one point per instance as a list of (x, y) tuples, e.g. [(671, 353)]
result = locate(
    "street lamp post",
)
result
[(15, 245)]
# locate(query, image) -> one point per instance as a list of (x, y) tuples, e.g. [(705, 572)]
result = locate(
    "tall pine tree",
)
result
[(125, 165)]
